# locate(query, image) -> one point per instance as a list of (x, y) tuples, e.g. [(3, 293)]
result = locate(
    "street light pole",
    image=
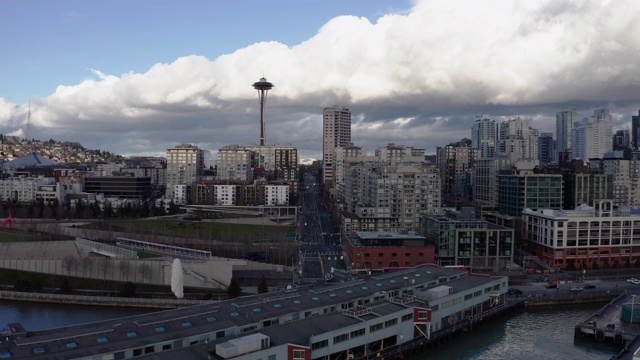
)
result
[(633, 302)]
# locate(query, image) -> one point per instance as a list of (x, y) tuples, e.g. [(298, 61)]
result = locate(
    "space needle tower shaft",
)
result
[(263, 87)]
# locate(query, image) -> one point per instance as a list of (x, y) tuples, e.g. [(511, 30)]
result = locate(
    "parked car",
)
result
[(514, 291), (611, 327), (551, 286), (589, 286)]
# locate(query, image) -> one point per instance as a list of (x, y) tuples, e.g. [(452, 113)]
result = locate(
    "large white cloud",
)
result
[(416, 78)]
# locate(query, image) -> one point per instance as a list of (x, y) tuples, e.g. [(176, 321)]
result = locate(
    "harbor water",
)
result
[(536, 333)]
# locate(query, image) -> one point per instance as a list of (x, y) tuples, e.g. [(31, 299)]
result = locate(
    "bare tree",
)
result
[(104, 266), (85, 264), (68, 262), (145, 271), (124, 269)]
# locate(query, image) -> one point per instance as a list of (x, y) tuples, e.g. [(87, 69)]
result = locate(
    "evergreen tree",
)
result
[(263, 287), (234, 289)]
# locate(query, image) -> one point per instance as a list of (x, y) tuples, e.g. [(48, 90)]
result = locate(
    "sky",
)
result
[(138, 77)]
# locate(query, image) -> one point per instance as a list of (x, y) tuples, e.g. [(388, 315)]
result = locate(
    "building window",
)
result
[(298, 354)]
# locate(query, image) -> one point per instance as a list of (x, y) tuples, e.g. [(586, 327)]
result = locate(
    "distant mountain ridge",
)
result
[(12, 147)]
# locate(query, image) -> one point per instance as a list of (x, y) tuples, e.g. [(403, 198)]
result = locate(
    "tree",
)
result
[(108, 210), (173, 208), (234, 289), (263, 287), (68, 263)]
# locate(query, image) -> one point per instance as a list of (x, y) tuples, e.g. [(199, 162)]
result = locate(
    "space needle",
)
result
[(263, 87)]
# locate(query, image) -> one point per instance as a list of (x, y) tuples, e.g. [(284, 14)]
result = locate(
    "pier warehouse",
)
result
[(366, 316)]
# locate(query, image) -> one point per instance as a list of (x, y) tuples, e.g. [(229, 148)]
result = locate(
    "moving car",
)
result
[(633, 281), (551, 286), (575, 289), (589, 286), (514, 291)]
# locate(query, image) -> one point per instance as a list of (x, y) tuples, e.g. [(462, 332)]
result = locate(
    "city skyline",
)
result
[(416, 73)]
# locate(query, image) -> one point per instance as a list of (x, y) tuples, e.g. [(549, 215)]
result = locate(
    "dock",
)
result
[(617, 322)]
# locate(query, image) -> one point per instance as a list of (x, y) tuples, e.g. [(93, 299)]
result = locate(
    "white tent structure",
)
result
[(177, 279)]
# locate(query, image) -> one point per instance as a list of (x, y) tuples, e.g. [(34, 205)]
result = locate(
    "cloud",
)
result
[(416, 78)]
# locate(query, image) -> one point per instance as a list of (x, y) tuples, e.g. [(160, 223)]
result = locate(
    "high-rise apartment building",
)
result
[(453, 160), (564, 126), (185, 165), (483, 137), (518, 140), (546, 147), (592, 136), (336, 132), (344, 155), (235, 163)]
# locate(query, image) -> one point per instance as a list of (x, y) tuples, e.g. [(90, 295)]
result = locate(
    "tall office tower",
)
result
[(564, 125), (592, 136), (483, 137), (263, 87), (336, 132), (546, 148), (185, 165), (518, 140), (635, 130), (621, 140)]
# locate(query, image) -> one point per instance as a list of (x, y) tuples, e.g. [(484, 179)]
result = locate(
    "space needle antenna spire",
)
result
[(263, 87)]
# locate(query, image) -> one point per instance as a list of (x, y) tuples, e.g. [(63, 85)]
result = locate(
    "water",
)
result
[(41, 316), (537, 333)]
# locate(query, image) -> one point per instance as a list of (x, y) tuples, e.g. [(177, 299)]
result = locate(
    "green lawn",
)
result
[(13, 237), (202, 229)]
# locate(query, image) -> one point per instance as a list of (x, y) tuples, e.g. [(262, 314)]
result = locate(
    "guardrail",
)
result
[(99, 300)]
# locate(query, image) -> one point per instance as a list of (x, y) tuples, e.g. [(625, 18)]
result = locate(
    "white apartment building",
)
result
[(336, 132), (593, 136), (180, 194), (185, 165), (49, 193), (518, 140), (225, 194), (584, 236), (275, 195), (22, 189), (234, 163), (483, 137)]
